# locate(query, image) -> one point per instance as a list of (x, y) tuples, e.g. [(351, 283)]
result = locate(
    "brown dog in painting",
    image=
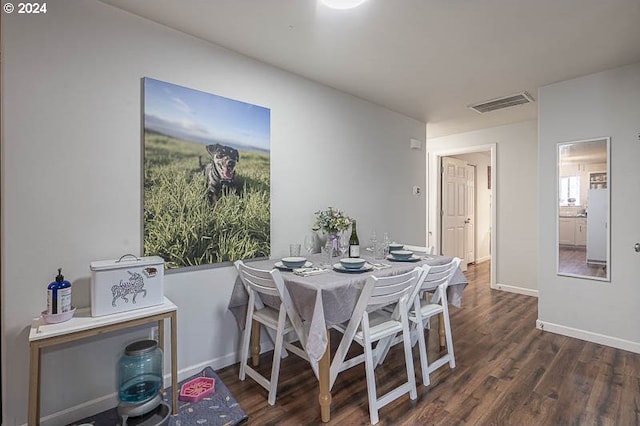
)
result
[(220, 172)]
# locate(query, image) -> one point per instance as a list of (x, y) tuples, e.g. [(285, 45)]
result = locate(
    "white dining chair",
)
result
[(426, 305), (283, 320), (367, 327)]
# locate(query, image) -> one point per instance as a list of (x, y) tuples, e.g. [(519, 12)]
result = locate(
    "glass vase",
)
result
[(333, 240)]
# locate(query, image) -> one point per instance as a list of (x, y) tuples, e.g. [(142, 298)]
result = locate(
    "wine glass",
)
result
[(309, 243), (385, 243), (343, 244)]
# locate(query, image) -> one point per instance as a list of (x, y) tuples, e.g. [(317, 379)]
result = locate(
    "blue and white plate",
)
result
[(279, 265), (338, 267), (413, 258)]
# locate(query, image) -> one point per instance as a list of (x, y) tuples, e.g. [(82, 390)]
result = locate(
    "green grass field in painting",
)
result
[(181, 225)]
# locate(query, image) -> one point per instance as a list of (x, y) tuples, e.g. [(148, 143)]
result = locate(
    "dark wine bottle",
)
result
[(354, 242)]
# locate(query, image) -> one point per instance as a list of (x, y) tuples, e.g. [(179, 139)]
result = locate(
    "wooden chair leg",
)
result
[(324, 379), (255, 343), (441, 331)]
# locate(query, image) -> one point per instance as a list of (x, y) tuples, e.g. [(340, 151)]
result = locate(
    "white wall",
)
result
[(71, 183), (597, 105), (516, 199), (483, 202)]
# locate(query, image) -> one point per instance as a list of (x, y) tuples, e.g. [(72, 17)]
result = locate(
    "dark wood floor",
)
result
[(573, 260), (507, 373)]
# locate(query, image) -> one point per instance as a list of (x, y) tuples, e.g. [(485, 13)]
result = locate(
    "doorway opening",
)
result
[(461, 178)]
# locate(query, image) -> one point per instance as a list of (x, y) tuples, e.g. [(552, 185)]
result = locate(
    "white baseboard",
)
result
[(589, 336), (519, 290), (215, 363), (80, 411), (98, 405), (483, 259)]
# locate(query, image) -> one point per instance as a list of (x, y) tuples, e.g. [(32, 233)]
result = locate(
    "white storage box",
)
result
[(125, 284)]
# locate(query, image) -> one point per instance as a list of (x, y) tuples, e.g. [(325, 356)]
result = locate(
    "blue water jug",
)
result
[(140, 372)]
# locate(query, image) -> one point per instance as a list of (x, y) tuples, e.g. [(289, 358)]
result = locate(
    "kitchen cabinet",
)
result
[(581, 231), (567, 230), (598, 180), (572, 231)]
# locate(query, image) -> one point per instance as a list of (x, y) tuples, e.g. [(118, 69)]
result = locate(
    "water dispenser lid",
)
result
[(140, 347)]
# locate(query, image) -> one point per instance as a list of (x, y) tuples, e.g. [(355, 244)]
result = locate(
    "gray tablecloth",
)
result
[(329, 298)]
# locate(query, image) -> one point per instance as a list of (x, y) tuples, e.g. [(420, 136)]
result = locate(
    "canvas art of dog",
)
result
[(220, 172)]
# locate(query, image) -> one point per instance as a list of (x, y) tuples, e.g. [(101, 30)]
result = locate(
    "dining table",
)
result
[(325, 295)]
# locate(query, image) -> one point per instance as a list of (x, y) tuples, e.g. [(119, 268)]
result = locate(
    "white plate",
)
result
[(338, 267), (279, 265), (413, 258)]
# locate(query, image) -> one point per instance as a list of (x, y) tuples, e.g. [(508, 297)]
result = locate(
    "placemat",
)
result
[(218, 409)]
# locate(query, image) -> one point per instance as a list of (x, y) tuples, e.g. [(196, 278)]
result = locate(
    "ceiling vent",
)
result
[(504, 102)]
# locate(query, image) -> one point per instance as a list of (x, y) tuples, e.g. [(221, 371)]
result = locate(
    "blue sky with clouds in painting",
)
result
[(204, 117)]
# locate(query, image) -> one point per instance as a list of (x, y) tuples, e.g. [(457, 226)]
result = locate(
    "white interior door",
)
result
[(454, 208), (471, 214)]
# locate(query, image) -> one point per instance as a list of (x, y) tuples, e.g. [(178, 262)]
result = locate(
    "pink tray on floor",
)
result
[(196, 389)]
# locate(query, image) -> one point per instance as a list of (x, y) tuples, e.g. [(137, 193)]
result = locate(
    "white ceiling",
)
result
[(427, 59)]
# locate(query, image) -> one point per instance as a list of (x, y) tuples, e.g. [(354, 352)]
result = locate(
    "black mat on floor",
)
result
[(218, 409)]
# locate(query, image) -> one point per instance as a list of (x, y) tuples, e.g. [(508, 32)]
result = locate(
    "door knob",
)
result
[(637, 247), (468, 220)]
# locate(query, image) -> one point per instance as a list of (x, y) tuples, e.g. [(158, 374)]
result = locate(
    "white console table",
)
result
[(83, 325)]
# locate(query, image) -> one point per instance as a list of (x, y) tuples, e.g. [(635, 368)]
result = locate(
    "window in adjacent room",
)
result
[(570, 191)]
